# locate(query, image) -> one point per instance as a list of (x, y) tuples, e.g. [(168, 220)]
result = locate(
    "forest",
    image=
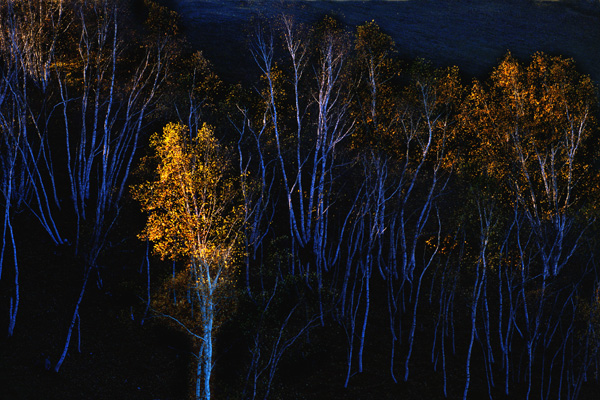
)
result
[(342, 223)]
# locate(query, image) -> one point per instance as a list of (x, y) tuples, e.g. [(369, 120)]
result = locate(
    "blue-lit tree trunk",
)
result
[(307, 154), (100, 154)]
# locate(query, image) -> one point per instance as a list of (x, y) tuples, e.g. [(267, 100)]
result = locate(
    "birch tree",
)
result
[(308, 138), (28, 37), (12, 121), (423, 169), (532, 127), (193, 218), (101, 146)]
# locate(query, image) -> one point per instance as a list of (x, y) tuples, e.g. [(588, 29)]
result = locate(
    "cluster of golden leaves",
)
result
[(190, 204), (528, 129), (193, 218)]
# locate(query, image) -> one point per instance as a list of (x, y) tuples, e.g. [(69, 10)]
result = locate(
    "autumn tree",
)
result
[(525, 137), (193, 218)]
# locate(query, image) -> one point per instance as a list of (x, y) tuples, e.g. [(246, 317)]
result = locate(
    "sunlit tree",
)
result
[(193, 218)]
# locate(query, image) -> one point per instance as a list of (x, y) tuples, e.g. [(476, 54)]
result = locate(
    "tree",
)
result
[(27, 40), (308, 138), (101, 143), (526, 138), (11, 131), (192, 217)]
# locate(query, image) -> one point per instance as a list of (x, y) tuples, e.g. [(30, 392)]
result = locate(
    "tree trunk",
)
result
[(205, 356)]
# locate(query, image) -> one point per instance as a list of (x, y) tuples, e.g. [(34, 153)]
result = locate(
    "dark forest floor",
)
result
[(120, 358)]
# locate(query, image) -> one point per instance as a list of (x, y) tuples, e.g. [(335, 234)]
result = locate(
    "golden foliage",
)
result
[(190, 204), (526, 131)]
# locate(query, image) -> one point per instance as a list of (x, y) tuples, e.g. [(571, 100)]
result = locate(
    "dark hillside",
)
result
[(471, 34)]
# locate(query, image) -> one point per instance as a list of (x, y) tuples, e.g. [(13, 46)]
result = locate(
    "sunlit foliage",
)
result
[(192, 217)]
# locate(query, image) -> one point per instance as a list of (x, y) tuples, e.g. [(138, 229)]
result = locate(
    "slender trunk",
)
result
[(413, 327), (476, 292), (7, 200), (485, 223), (351, 316), (14, 305), (367, 276), (207, 365), (73, 319), (199, 369), (204, 368)]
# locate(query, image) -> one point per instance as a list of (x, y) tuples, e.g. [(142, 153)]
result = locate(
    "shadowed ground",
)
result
[(472, 34)]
